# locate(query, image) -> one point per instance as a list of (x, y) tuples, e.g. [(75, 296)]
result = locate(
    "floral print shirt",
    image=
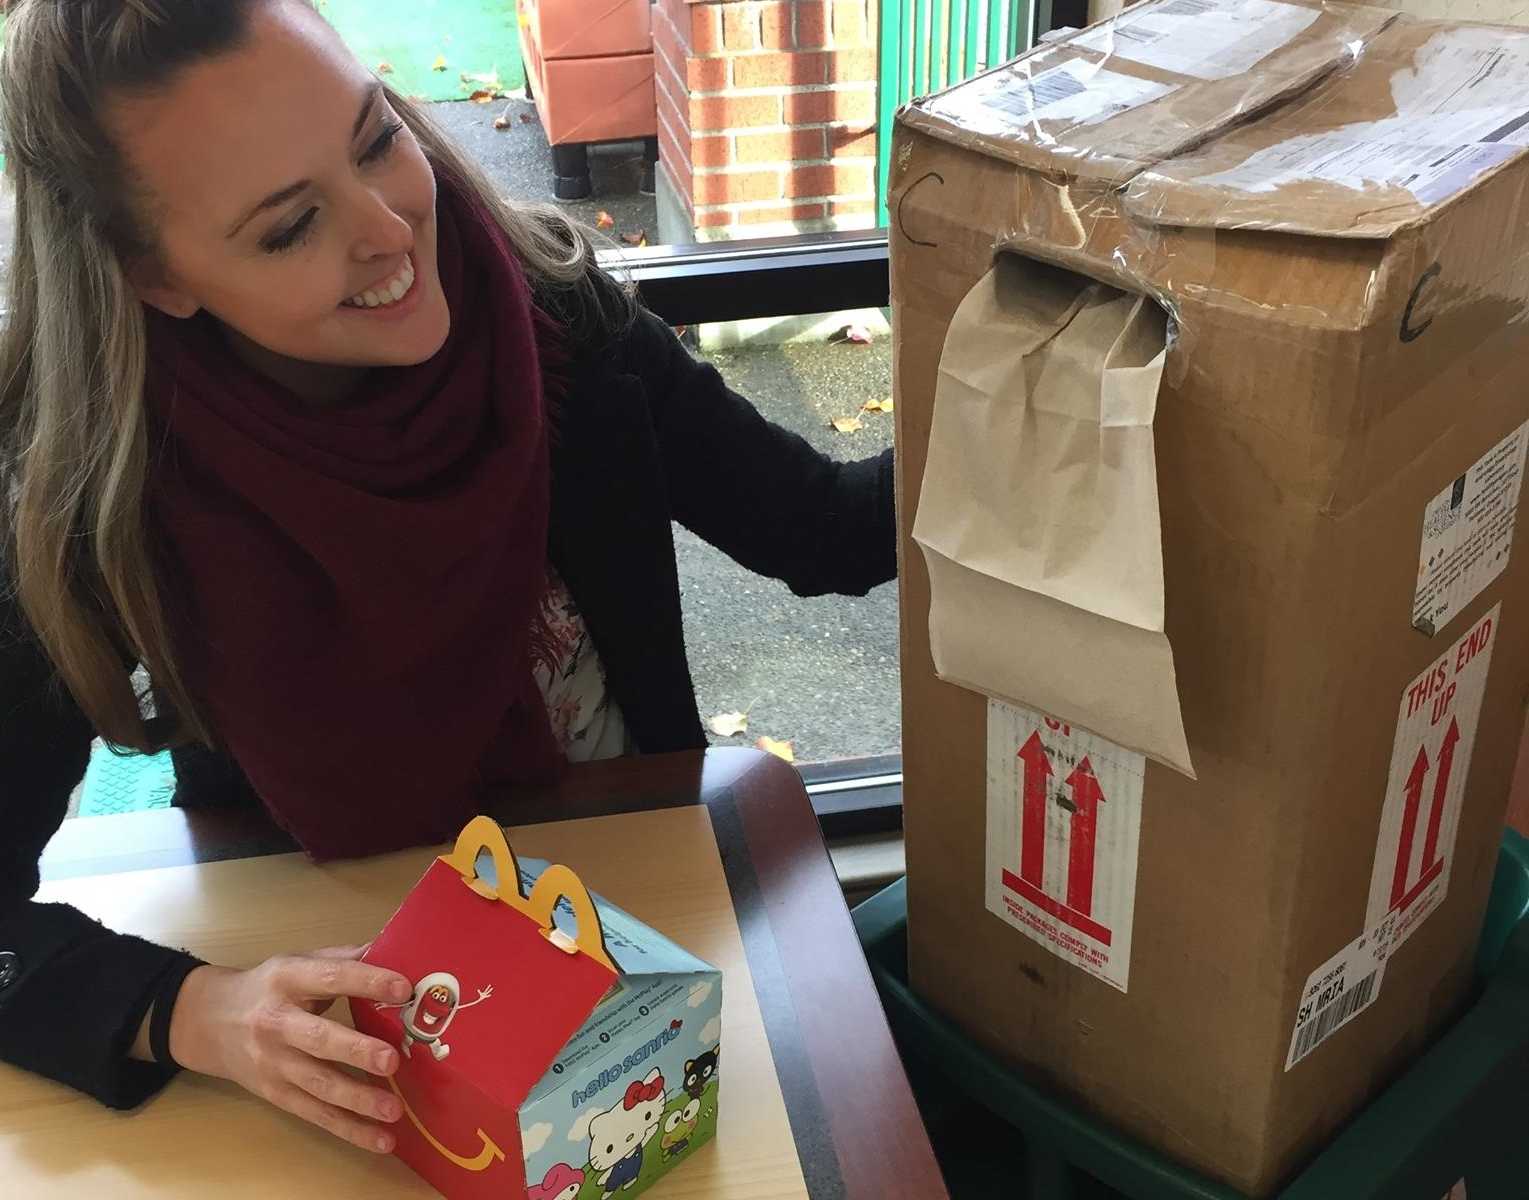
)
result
[(585, 720)]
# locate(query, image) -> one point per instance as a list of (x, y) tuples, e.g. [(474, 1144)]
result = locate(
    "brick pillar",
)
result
[(767, 113)]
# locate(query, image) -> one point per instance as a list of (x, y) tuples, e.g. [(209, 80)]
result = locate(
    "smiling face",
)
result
[(287, 199), (434, 1007)]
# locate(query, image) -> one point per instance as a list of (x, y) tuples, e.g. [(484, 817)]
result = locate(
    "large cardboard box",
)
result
[(1211, 348)]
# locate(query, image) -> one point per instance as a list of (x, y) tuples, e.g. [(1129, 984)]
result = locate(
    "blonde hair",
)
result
[(74, 452)]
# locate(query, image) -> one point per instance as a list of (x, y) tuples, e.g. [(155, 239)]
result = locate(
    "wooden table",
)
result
[(857, 1131)]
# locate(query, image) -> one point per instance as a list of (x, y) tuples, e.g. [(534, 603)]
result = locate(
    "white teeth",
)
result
[(390, 292)]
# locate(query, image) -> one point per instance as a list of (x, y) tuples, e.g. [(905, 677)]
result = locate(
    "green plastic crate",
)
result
[(1461, 1111)]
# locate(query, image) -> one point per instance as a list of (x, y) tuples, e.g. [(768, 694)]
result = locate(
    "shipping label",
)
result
[(1395, 152), (1063, 826), (1340, 989), (1430, 761), (1468, 533), (1206, 39), (1462, 108), (1076, 92)]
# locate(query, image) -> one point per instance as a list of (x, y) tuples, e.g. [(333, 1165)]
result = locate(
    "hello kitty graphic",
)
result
[(434, 1005), (618, 1137)]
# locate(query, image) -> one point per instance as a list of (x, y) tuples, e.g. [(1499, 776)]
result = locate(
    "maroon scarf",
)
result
[(353, 589)]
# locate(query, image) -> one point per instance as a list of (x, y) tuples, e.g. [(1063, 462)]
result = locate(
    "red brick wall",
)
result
[(767, 112)]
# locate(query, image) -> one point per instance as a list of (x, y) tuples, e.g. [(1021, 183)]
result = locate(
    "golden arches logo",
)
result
[(482, 1161), (556, 883)]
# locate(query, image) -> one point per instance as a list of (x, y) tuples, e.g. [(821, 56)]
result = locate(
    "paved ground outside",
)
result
[(519, 160), (821, 672)]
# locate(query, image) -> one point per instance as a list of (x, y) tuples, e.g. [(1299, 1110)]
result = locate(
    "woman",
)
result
[(374, 475)]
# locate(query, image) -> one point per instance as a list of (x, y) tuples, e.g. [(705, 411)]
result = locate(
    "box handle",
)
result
[(556, 883)]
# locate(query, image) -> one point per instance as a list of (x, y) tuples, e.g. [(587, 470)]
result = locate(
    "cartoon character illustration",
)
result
[(618, 1137), (679, 1128), (434, 1005), (698, 1072), (562, 1182)]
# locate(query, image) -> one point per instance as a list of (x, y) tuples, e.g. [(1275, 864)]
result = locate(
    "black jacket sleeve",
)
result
[(756, 491), (72, 993)]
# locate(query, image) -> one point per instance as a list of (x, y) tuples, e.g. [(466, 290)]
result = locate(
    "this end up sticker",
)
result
[(1064, 823), (1430, 759)]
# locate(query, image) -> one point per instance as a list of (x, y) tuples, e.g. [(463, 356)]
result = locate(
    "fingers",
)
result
[(342, 1122), (317, 978), (334, 1087), (320, 1037), (340, 951)]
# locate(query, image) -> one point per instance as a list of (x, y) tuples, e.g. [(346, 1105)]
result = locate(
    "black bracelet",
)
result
[(164, 1009)]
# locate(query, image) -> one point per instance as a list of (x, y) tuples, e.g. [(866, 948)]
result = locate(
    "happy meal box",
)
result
[(554, 1047)]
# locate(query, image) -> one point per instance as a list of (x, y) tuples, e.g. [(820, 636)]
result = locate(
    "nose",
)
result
[(381, 232)]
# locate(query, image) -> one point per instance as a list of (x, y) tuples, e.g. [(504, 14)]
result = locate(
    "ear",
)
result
[(689, 1065), (155, 287)]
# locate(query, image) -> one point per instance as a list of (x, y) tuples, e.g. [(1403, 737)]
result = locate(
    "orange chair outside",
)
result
[(591, 76)]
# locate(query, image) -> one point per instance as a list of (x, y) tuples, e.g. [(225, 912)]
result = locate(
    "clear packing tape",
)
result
[(1271, 173)]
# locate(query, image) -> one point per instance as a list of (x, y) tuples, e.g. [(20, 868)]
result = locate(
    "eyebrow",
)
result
[(278, 198)]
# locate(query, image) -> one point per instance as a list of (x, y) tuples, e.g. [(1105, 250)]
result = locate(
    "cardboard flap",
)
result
[(1038, 515), (1429, 111), (1162, 76)]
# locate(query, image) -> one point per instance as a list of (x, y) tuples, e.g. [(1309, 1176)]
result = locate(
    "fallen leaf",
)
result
[(604, 220), (384, 68), (780, 749), (876, 406), (848, 424), (501, 122), (729, 724), (857, 335), (640, 238), (483, 96), (439, 64)]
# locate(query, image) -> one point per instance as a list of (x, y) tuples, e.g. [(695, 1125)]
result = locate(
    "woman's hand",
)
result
[(264, 1029)]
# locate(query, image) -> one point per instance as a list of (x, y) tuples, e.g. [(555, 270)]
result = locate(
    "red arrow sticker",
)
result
[(1430, 759), (1064, 822)]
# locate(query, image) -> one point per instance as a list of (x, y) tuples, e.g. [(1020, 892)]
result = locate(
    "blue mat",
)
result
[(123, 783)]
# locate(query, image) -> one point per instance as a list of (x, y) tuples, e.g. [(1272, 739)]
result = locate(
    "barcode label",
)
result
[(1203, 39), (1328, 1020), (1340, 989), (1189, 8), (1077, 92), (1032, 95)]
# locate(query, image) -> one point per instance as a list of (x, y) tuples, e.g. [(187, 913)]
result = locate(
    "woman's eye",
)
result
[(379, 148), (294, 235)]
